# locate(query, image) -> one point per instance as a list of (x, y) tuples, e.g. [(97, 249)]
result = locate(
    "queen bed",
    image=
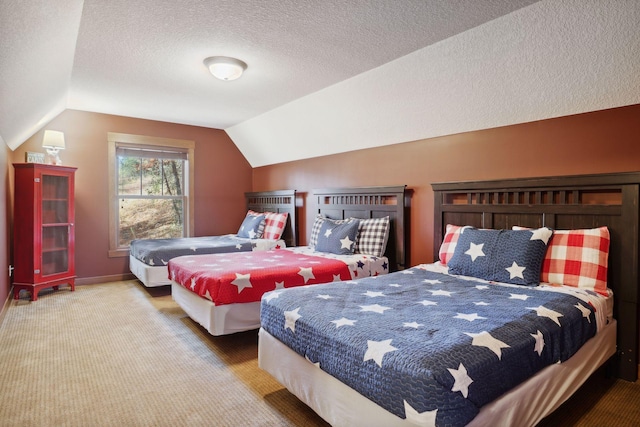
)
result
[(148, 258), (222, 291), (483, 372)]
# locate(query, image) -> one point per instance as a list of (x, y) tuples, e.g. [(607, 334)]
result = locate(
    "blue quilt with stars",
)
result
[(427, 346), (158, 252)]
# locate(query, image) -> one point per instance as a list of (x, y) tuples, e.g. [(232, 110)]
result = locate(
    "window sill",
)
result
[(119, 253)]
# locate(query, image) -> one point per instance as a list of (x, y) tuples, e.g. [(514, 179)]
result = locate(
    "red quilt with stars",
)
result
[(246, 276)]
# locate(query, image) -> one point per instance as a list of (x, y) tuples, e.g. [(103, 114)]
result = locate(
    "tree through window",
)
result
[(150, 190)]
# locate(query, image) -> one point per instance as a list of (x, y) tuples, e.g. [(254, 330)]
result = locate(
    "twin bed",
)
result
[(358, 232), (424, 346), (148, 258)]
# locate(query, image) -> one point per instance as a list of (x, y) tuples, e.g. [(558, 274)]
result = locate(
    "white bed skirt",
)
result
[(525, 405), (149, 276), (217, 320)]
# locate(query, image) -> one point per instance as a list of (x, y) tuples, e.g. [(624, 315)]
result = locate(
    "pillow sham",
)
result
[(507, 256), (274, 224), (317, 224), (448, 246), (252, 227), (373, 235), (337, 238), (578, 258)]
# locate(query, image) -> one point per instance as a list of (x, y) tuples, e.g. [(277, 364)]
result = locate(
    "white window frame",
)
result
[(123, 139)]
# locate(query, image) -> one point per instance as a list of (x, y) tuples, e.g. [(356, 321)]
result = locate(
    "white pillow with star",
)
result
[(337, 238), (506, 256)]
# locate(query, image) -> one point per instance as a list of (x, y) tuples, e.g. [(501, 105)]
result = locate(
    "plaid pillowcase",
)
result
[(317, 225), (578, 258), (274, 224), (372, 236), (448, 246)]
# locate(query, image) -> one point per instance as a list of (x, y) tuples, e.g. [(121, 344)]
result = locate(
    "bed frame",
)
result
[(339, 203), (566, 202), (371, 202), (278, 201)]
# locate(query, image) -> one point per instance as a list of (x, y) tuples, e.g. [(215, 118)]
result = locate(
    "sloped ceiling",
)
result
[(323, 77)]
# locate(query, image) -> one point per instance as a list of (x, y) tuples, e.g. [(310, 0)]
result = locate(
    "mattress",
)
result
[(426, 345)]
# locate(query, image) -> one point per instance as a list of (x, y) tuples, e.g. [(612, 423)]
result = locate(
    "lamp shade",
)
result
[(53, 139), (225, 68)]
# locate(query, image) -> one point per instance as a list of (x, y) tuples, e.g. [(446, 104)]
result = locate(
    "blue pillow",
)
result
[(337, 238), (507, 256), (252, 226)]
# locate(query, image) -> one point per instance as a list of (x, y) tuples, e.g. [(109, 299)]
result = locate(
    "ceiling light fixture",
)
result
[(225, 68)]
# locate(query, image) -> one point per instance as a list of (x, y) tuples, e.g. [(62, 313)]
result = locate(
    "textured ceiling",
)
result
[(323, 76)]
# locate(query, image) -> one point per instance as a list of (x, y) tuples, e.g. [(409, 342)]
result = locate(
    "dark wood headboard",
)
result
[(565, 202), (371, 202), (278, 201)]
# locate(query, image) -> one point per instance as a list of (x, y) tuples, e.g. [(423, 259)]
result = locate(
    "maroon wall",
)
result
[(222, 175), (596, 142)]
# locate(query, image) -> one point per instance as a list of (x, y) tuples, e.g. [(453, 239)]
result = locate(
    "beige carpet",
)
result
[(119, 354)]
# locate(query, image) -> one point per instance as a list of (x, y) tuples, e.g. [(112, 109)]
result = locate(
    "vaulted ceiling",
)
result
[(323, 76)]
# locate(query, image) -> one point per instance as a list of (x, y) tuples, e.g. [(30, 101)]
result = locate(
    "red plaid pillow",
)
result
[(578, 258), (274, 224), (448, 246)]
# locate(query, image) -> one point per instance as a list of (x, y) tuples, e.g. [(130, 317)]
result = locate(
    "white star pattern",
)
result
[(441, 292), (327, 233), (469, 317), (242, 281), (516, 271), (373, 294), (193, 248), (238, 246), (376, 308), (306, 273), (426, 418), (270, 295), (414, 325), (545, 312), (482, 287), (193, 283), (585, 311), (481, 303), (290, 319), (394, 285), (522, 297), (344, 322), (484, 339), (151, 262), (475, 251), (426, 302), (164, 262), (336, 278), (280, 285), (316, 364), (407, 271), (346, 243), (539, 342), (462, 381), (252, 234), (324, 296), (432, 281), (377, 349), (541, 234)]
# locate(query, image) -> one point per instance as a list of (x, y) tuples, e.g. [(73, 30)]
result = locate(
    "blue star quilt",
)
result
[(427, 345), (158, 252)]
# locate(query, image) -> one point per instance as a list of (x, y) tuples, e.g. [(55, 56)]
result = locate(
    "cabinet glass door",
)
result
[(55, 224)]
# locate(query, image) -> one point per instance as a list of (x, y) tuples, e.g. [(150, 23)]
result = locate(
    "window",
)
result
[(150, 189)]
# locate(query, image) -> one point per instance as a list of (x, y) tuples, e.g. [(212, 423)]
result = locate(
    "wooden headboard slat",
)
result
[(563, 202), (371, 202)]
